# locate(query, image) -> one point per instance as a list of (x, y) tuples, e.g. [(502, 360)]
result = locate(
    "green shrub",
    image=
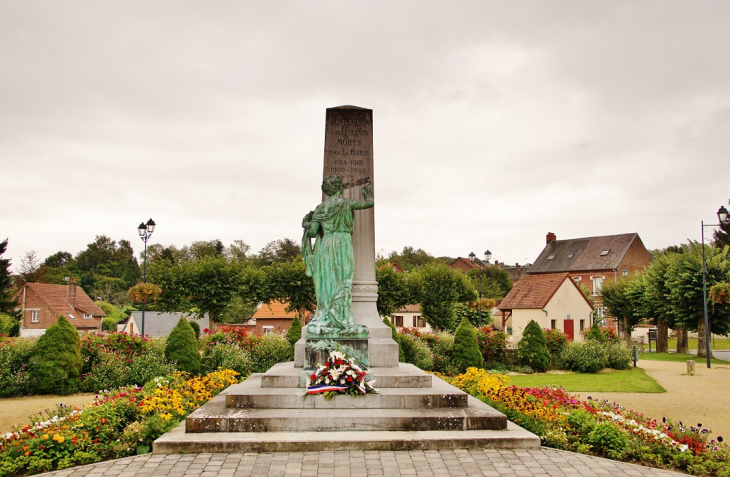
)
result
[(417, 352), (586, 357), (607, 439), (594, 333), (182, 348), (122, 344), (196, 328), (443, 351), (492, 344), (109, 372), (270, 350), (15, 373), (56, 361), (108, 324), (7, 324), (107, 308), (532, 348), (228, 356), (555, 340), (295, 331), (620, 355), (466, 350)]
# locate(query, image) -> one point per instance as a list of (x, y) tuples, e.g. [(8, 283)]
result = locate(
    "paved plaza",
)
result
[(440, 463)]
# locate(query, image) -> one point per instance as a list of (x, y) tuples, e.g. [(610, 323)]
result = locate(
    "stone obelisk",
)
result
[(348, 152)]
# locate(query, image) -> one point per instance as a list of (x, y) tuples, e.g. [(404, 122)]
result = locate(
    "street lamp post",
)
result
[(472, 259), (723, 218), (145, 232)]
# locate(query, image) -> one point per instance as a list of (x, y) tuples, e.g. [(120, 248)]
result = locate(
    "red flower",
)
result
[(313, 377)]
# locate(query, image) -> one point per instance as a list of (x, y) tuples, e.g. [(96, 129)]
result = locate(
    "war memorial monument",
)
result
[(281, 410)]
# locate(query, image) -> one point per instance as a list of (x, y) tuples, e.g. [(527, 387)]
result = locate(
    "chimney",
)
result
[(71, 292), (550, 237)]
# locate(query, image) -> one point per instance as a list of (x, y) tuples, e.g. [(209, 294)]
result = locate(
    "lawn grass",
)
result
[(716, 343), (679, 358), (633, 380)]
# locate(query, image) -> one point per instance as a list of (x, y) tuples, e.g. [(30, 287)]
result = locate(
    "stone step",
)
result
[(250, 395), (216, 417), (178, 441), (285, 375)]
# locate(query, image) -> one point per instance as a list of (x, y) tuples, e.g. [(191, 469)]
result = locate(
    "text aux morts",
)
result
[(352, 143)]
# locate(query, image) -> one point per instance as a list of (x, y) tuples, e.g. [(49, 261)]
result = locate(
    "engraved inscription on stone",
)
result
[(348, 145)]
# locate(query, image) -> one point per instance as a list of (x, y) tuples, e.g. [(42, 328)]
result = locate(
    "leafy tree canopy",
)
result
[(7, 305), (438, 288)]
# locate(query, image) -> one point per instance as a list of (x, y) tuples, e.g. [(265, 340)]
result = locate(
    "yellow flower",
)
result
[(58, 438), (45, 437), (167, 416)]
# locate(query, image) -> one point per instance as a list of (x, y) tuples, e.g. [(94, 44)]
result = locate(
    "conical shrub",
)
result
[(56, 361), (466, 349), (182, 348), (532, 349), (295, 332), (396, 338)]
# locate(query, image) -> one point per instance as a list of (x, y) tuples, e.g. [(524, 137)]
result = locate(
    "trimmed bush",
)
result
[(443, 352), (228, 356), (270, 350), (607, 439), (532, 349), (182, 348), (594, 333), (620, 356), (294, 333), (396, 338), (555, 340), (15, 374), (108, 324), (466, 350), (417, 352), (56, 362), (586, 357)]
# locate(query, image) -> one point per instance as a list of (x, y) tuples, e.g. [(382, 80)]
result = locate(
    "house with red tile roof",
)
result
[(592, 260), (552, 300), (410, 317), (41, 304), (272, 317), (463, 264)]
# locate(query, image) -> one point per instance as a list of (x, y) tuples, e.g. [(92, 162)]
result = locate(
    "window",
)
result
[(597, 283), (551, 256), (600, 312), (415, 321), (577, 279), (34, 316), (268, 330), (570, 255), (582, 324), (87, 316), (625, 272), (553, 324), (399, 321), (605, 252), (71, 316), (421, 322)]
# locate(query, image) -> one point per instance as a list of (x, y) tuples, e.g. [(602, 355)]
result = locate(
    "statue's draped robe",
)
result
[(332, 264)]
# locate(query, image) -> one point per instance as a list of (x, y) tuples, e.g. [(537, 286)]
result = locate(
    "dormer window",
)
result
[(87, 316), (605, 252)]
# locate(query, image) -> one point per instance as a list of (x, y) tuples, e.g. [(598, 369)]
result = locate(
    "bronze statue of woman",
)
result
[(331, 263)]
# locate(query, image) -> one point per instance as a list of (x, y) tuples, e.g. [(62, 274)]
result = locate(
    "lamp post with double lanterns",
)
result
[(473, 259), (145, 232), (723, 218)]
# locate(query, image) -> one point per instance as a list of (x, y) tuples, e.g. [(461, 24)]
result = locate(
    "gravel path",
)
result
[(700, 399)]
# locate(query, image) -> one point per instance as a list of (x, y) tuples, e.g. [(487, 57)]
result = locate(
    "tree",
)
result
[(30, 267), (56, 362), (410, 259), (393, 291), (495, 281), (204, 286), (686, 297), (438, 288), (295, 331), (532, 349), (466, 349), (283, 250), (58, 260), (288, 282), (181, 347), (105, 258), (615, 296), (722, 235), (238, 250), (7, 304)]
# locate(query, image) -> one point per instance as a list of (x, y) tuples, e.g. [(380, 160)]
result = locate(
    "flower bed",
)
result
[(599, 427), (114, 426)]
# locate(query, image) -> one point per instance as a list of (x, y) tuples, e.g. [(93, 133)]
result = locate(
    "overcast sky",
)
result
[(494, 122)]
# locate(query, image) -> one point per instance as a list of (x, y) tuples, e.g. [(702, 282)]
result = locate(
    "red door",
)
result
[(569, 330)]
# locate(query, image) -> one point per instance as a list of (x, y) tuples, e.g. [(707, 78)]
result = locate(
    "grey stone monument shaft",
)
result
[(348, 152)]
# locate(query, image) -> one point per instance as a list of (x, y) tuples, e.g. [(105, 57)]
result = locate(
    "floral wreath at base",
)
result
[(340, 374)]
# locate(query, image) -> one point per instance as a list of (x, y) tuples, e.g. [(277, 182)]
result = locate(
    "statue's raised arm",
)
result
[(367, 193)]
